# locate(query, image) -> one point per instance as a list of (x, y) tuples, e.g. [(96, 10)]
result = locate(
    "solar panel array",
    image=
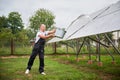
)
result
[(73, 27), (107, 21), (102, 21)]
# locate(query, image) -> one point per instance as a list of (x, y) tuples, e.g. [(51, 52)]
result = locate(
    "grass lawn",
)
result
[(13, 68), (108, 71)]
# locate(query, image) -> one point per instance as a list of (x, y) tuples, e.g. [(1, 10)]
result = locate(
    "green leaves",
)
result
[(6, 33), (15, 22), (12, 27), (3, 22), (42, 16)]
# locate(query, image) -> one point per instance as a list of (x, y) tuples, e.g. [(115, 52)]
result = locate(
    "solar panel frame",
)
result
[(108, 18), (108, 21)]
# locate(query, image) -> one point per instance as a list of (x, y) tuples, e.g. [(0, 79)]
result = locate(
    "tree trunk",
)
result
[(12, 46)]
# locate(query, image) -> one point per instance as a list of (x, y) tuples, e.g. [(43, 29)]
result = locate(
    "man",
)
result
[(39, 48)]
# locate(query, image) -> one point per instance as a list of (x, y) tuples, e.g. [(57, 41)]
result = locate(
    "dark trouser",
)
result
[(38, 49)]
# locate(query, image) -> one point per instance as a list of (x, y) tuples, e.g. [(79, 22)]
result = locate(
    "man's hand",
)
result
[(52, 31), (52, 35)]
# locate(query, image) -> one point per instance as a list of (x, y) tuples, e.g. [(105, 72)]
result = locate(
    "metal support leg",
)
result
[(98, 42), (98, 51), (67, 50), (98, 48), (109, 53), (89, 52), (107, 37), (113, 60), (88, 47), (79, 49)]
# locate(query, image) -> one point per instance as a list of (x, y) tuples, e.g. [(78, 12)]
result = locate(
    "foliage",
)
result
[(12, 26), (41, 16), (15, 22), (30, 33), (22, 35), (3, 22), (6, 33)]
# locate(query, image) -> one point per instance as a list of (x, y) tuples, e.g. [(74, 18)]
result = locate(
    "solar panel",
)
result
[(102, 21), (55, 39), (77, 23), (108, 21)]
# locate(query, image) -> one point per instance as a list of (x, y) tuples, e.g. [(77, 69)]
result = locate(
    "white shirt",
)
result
[(40, 33)]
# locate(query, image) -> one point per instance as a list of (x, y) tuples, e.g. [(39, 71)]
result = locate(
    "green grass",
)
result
[(13, 69), (4, 51), (59, 67), (112, 71)]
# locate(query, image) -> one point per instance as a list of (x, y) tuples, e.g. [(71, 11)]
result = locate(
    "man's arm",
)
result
[(46, 37), (52, 31)]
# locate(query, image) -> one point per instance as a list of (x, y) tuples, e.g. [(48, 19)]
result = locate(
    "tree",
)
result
[(15, 22), (16, 25), (5, 33), (3, 22), (30, 33), (22, 37), (42, 16)]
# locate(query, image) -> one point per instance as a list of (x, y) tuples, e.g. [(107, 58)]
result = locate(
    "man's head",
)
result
[(42, 27)]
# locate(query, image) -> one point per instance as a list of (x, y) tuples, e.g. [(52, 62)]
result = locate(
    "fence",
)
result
[(23, 47)]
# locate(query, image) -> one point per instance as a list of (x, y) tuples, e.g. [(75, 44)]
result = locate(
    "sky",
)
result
[(65, 11)]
